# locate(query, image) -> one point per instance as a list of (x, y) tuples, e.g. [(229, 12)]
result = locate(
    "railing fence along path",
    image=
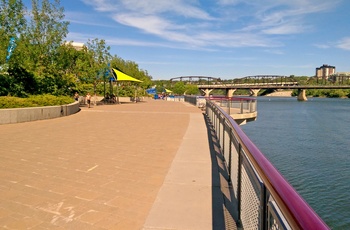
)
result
[(233, 104), (265, 199)]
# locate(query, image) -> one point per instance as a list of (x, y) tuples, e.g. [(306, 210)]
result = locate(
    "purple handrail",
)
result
[(305, 217), (229, 98)]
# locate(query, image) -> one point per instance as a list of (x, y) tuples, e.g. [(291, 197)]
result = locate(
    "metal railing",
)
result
[(236, 105), (231, 105), (194, 100), (265, 199)]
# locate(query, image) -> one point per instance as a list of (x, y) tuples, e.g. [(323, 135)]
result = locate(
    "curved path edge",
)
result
[(18, 115)]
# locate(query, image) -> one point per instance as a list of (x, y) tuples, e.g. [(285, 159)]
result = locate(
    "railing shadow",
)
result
[(224, 203)]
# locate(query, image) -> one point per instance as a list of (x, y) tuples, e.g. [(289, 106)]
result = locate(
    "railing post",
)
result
[(223, 136), (216, 121), (220, 130), (230, 157), (252, 166), (263, 201), (239, 182), (229, 106)]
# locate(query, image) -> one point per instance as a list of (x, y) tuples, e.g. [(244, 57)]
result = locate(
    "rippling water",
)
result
[(309, 143)]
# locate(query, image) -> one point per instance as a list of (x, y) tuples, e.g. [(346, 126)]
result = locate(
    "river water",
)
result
[(309, 143)]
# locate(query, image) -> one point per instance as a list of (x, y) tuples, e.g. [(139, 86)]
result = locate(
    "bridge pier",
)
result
[(302, 95), (254, 92), (207, 92), (229, 92)]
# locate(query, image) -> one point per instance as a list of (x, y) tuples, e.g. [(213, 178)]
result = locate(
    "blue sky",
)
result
[(223, 38)]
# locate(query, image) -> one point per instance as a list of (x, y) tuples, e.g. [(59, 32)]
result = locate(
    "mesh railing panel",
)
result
[(234, 169), (255, 207), (275, 220), (251, 188)]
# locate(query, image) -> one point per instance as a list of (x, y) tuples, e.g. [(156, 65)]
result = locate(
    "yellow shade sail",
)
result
[(120, 76), (168, 91)]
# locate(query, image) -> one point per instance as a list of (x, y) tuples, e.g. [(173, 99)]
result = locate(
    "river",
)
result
[(309, 143)]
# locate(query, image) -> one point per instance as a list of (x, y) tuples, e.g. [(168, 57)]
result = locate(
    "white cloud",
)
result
[(150, 24), (231, 23), (178, 7), (323, 46), (285, 29), (85, 19), (344, 43)]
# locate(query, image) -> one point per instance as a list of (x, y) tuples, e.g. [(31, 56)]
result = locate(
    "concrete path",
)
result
[(130, 166)]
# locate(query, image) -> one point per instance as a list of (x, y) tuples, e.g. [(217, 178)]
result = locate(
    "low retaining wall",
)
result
[(9, 116)]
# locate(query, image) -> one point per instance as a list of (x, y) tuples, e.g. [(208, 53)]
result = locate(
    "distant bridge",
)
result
[(254, 84)]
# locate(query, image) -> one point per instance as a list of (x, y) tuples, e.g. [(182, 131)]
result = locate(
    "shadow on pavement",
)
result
[(224, 203)]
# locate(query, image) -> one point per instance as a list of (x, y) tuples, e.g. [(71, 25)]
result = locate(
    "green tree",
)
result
[(179, 88), (92, 64), (131, 68), (12, 23), (191, 89), (45, 63), (22, 83), (12, 19), (4, 84), (45, 34)]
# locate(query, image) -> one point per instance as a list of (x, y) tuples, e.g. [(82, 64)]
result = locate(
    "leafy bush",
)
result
[(22, 83), (4, 84), (34, 101)]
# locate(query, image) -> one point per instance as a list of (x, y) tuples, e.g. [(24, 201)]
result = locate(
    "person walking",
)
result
[(88, 99), (76, 96)]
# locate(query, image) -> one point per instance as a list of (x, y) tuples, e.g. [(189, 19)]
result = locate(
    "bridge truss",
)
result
[(206, 80), (199, 80), (265, 79)]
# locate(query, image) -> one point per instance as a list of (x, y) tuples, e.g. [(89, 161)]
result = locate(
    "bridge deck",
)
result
[(130, 166)]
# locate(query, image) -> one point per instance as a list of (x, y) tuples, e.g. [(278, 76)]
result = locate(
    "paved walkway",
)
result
[(147, 165)]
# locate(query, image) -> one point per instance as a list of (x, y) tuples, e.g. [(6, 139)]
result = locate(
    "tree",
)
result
[(131, 68), (192, 90), (12, 19), (93, 62), (22, 82), (45, 34), (12, 23), (44, 62), (179, 88)]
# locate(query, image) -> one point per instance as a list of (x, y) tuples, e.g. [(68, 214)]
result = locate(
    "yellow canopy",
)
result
[(168, 91), (124, 77)]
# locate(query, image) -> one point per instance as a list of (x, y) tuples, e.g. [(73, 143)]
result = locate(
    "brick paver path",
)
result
[(98, 169)]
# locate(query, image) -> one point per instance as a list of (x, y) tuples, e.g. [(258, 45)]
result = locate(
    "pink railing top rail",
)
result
[(230, 98), (299, 209)]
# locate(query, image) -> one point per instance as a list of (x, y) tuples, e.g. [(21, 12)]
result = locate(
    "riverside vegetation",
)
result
[(36, 59), (34, 101)]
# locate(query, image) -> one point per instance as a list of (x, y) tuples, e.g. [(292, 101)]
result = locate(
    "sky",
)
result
[(226, 39)]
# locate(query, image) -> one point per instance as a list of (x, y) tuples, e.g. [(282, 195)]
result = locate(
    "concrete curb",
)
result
[(183, 201), (18, 115)]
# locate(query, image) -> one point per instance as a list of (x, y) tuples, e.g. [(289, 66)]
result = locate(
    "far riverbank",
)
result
[(286, 93)]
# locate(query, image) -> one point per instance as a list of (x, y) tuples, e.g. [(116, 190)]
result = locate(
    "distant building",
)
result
[(325, 71), (77, 45), (340, 77)]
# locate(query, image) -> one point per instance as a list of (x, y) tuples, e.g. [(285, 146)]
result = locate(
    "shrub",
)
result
[(34, 101)]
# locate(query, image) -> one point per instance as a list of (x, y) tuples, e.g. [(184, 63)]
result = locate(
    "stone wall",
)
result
[(9, 116)]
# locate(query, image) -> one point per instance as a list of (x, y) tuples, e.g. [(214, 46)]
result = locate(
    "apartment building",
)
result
[(325, 71)]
